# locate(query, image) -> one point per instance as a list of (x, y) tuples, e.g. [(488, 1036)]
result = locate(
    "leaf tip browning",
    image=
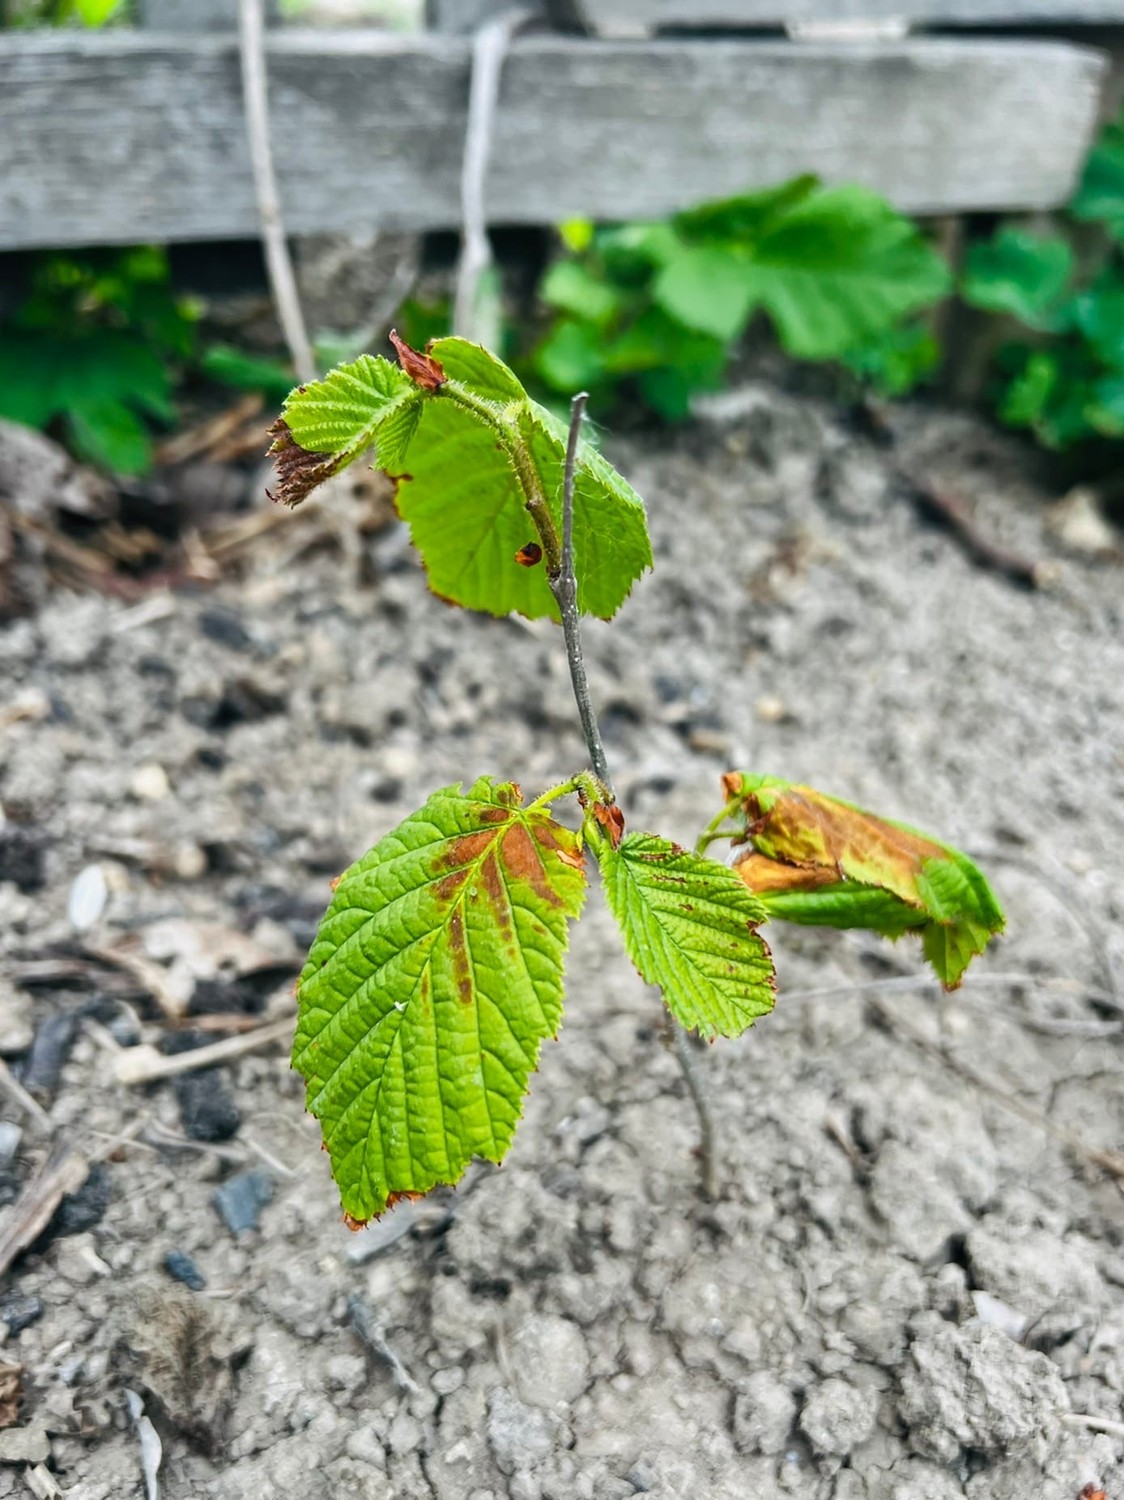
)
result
[(422, 368), (299, 471)]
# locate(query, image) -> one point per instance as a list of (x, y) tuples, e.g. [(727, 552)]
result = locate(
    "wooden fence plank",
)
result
[(461, 17), (188, 15), (639, 17), (117, 137), (195, 15)]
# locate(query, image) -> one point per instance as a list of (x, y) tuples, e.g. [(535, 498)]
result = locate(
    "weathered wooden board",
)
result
[(118, 137), (460, 17), (640, 17), (194, 15), (188, 15)]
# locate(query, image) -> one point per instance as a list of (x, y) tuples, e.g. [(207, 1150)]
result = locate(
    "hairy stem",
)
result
[(564, 586), (714, 830)]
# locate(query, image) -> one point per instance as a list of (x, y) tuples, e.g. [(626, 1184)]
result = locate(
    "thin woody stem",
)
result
[(564, 586), (708, 1162)]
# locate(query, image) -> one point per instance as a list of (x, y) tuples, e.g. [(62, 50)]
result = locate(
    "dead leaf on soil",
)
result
[(11, 1394)]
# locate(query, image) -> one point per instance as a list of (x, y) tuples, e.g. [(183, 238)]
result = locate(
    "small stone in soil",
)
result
[(10, 1137), (82, 1210), (87, 898), (240, 1200), (226, 628), (207, 1110), (23, 856), (49, 1050), (181, 1267), (124, 1028), (19, 1311), (24, 1445)]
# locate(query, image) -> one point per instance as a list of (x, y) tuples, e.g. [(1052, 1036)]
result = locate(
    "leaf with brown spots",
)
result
[(478, 468), (690, 926), (819, 861), (434, 978)]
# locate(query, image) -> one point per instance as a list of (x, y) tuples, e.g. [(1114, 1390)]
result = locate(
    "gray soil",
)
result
[(910, 1288)]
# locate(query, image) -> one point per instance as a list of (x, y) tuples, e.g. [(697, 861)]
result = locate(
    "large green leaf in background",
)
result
[(98, 385), (690, 926), (831, 267), (434, 978), (465, 450)]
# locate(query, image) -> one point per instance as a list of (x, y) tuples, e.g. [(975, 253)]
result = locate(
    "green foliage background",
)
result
[(651, 314)]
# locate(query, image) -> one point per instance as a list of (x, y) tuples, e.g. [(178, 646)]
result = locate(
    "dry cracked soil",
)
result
[(910, 1287)]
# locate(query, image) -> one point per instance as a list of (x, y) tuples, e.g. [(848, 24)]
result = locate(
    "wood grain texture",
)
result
[(121, 137), (638, 17)]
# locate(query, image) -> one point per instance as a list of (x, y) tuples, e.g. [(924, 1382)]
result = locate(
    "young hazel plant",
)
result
[(436, 973)]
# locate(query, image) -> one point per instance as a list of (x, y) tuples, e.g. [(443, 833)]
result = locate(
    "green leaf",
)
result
[(842, 266), (434, 978), (706, 289), (1024, 275), (815, 859), (743, 220), (247, 373), (830, 266), (576, 234), (897, 361), (1105, 411), (690, 926), (610, 530), (572, 286), (571, 357), (30, 367), (1026, 399), (670, 392), (470, 449), (631, 252), (1100, 197), (111, 436), (95, 13), (1098, 314), (655, 341), (117, 366), (846, 904), (343, 412), (96, 381)]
